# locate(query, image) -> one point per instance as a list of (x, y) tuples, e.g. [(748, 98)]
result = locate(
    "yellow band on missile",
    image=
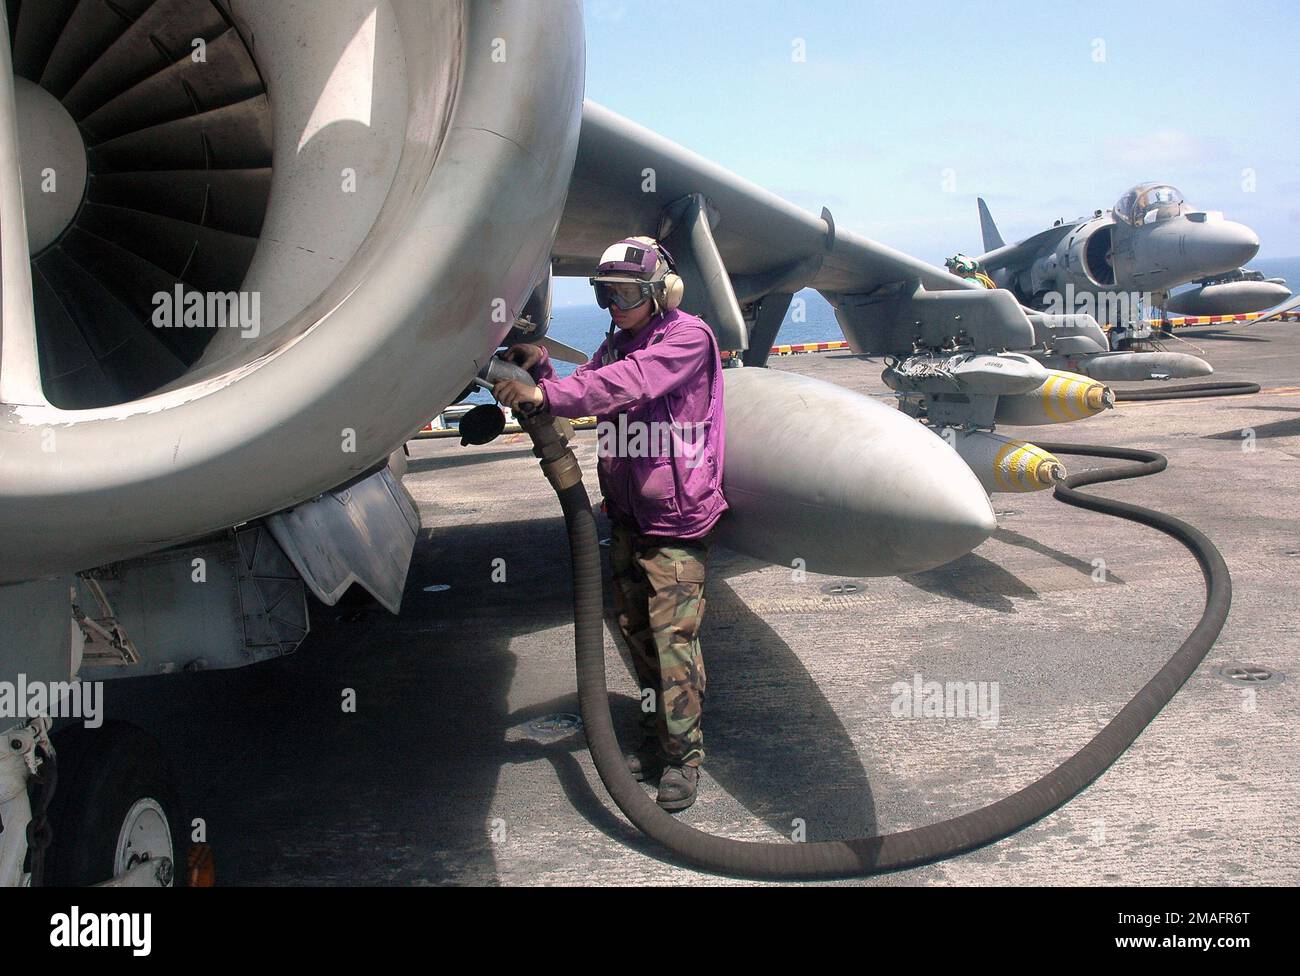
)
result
[(1068, 393), (1045, 393), (1069, 396), (1020, 466), (1049, 397), (1074, 397), (1016, 465), (1000, 461)]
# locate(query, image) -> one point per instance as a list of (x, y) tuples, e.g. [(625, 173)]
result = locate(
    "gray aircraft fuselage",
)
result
[(1150, 242)]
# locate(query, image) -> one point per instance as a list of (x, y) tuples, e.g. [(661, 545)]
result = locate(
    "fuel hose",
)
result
[(918, 846)]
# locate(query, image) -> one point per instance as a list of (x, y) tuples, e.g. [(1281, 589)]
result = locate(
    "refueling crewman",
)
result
[(655, 388)]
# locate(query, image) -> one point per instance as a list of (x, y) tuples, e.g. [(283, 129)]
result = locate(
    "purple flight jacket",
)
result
[(661, 429)]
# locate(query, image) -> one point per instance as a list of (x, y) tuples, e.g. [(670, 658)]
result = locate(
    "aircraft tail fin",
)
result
[(992, 239)]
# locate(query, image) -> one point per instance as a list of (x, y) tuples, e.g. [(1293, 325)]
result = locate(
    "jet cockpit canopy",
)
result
[(1147, 203)]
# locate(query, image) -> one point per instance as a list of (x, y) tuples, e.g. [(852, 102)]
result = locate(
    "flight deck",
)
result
[(462, 761)]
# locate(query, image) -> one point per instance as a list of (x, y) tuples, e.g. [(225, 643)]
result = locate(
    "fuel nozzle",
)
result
[(484, 423), (496, 370), (550, 434)]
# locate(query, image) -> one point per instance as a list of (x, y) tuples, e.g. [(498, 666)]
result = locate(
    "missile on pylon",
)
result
[(1062, 397), (1004, 463)]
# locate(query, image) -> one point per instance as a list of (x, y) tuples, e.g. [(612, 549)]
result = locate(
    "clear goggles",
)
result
[(625, 294)]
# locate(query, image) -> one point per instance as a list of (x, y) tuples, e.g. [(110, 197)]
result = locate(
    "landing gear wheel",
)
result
[(115, 807)]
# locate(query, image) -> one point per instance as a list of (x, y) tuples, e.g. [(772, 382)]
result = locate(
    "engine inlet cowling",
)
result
[(357, 190)]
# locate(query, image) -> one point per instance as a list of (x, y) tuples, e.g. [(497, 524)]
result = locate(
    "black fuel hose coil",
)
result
[(920, 845)]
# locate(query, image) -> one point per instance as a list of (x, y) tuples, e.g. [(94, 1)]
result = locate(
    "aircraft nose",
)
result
[(1224, 246)]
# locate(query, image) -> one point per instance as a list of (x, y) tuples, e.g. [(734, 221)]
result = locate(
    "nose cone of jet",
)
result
[(1221, 245)]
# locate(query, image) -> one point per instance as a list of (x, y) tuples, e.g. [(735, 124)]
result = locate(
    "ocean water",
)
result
[(1288, 268), (584, 327)]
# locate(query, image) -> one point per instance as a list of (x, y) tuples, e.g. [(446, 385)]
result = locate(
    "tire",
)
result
[(105, 776)]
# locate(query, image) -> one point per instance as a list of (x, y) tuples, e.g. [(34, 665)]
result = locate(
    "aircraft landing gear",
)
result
[(115, 814), (26, 758)]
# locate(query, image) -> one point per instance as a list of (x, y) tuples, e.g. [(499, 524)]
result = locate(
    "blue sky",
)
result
[(1010, 101)]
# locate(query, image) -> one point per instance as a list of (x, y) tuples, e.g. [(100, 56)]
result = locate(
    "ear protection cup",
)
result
[(672, 290), (672, 286)]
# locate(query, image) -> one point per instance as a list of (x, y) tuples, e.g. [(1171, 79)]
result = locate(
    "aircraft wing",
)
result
[(1023, 252), (724, 231)]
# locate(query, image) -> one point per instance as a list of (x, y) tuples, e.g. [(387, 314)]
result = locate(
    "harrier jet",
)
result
[(1150, 242), (249, 248)]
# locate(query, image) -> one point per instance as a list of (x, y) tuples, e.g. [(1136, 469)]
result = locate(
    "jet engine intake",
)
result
[(300, 228)]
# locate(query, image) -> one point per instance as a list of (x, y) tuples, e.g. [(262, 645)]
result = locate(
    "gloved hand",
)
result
[(525, 355), (513, 393)]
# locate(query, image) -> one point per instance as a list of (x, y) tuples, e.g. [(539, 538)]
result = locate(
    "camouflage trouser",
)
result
[(659, 594)]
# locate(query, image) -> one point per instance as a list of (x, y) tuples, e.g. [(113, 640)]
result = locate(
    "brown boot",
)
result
[(677, 787), (646, 762)]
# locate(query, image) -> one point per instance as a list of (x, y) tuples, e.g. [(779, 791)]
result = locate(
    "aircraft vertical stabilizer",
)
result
[(992, 239)]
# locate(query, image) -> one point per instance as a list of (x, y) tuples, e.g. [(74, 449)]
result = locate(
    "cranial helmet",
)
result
[(643, 261)]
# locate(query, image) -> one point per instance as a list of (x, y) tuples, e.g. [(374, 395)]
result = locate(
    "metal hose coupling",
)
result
[(551, 444), (550, 434)]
